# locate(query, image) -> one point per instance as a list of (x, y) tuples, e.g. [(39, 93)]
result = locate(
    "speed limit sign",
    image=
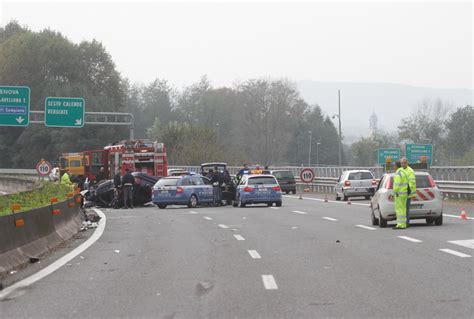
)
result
[(307, 175), (43, 168)]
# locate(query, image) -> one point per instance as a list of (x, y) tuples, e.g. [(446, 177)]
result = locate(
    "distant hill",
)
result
[(390, 102)]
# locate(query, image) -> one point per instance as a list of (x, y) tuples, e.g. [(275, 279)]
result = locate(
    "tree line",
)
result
[(262, 121)]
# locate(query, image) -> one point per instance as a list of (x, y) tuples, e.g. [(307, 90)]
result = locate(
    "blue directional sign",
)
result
[(417, 153), (64, 112), (14, 105)]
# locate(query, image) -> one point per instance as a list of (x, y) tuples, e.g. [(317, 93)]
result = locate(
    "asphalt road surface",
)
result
[(307, 259)]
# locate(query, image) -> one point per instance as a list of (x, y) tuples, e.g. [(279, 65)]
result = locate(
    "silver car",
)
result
[(427, 203), (355, 183)]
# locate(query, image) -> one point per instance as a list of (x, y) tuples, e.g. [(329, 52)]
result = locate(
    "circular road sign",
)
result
[(307, 175), (43, 168)]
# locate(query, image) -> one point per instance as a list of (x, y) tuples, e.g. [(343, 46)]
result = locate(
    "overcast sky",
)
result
[(424, 44)]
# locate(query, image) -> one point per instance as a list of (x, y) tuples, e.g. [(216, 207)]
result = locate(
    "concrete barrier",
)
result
[(11, 184), (35, 232)]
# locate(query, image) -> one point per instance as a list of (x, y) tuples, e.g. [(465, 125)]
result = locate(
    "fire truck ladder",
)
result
[(96, 118)]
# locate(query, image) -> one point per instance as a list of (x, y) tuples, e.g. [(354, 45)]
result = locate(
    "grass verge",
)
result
[(33, 199)]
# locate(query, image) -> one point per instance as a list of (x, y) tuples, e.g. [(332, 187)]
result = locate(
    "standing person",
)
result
[(243, 171), (100, 176), (400, 190), (127, 189), (410, 173)]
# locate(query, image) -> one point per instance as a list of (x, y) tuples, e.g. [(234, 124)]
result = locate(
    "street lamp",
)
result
[(317, 155), (309, 152), (339, 118)]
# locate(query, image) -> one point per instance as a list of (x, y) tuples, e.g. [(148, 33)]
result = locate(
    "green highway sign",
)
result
[(14, 105), (385, 153), (417, 153), (64, 111)]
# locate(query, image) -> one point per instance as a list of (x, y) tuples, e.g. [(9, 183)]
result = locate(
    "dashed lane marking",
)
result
[(366, 227), (254, 254), (331, 219), (223, 226), (207, 218), (329, 201), (410, 239), (238, 237), (193, 212), (300, 212), (455, 253), (274, 208), (469, 243), (269, 282)]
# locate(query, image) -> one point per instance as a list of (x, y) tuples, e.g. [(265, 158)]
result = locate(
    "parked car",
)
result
[(355, 183), (258, 189), (182, 190), (427, 203), (286, 179)]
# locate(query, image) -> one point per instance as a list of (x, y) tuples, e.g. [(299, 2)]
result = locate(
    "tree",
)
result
[(460, 137)]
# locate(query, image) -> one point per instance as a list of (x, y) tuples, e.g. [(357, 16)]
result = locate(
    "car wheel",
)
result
[(229, 202), (367, 197), (241, 203), (439, 220), (269, 204), (287, 192), (429, 220), (235, 203), (193, 202), (382, 221), (161, 206), (278, 204), (375, 220), (344, 197), (294, 192)]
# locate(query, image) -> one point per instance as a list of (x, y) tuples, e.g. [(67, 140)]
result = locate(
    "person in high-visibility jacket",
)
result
[(410, 173), (65, 180), (400, 190)]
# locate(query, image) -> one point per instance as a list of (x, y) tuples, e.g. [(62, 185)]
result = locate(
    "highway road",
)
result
[(307, 259)]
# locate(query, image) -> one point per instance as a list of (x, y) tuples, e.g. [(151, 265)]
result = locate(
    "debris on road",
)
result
[(13, 272), (203, 287), (34, 260)]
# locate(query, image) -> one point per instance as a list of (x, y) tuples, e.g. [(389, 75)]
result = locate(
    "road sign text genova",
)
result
[(14, 105), (64, 112)]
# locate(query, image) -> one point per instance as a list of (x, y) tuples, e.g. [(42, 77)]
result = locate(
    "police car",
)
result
[(182, 190), (258, 189)]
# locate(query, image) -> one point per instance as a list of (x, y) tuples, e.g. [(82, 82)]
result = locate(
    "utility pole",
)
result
[(340, 136), (317, 154), (309, 152)]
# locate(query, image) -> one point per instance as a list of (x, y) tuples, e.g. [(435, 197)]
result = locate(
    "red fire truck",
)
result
[(137, 155)]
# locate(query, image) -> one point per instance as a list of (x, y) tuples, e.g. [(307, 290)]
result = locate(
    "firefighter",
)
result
[(410, 173), (400, 190), (65, 180)]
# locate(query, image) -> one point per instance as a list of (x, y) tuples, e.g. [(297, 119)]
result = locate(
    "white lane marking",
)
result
[(469, 243), (300, 212), (410, 239), (274, 207), (223, 226), (455, 253), (269, 282), (207, 218), (254, 254), (192, 212), (121, 217), (329, 201), (238, 237), (366, 227), (61, 261), (331, 219), (458, 217)]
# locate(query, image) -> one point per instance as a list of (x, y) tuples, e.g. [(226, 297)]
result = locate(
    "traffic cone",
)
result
[(349, 201), (326, 198), (463, 214)]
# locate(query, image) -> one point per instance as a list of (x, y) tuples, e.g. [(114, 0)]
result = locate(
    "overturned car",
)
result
[(104, 194)]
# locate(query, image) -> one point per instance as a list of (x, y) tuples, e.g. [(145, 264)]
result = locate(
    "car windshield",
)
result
[(283, 174), (167, 182), (260, 180), (359, 176)]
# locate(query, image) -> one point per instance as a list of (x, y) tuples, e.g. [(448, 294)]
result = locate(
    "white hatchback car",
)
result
[(427, 204)]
